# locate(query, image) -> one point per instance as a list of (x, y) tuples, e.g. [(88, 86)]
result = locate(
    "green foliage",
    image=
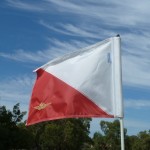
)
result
[(142, 141), (98, 141), (11, 136), (110, 139), (17, 115), (66, 134)]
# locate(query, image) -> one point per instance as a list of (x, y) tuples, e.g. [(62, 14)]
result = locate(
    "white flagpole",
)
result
[(122, 134), (117, 77), (121, 99)]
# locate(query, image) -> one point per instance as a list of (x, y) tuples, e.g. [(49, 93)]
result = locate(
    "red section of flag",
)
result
[(54, 99)]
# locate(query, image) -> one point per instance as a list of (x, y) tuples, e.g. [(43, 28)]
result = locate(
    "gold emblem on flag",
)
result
[(42, 106)]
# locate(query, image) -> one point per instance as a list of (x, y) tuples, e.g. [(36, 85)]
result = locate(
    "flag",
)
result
[(85, 83)]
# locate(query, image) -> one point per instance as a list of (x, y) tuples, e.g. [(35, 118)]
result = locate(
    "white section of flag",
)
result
[(94, 72)]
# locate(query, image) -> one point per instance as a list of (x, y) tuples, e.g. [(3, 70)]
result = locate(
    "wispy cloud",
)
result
[(136, 60), (16, 90), (135, 72), (83, 30), (112, 13), (25, 6), (55, 49), (26, 56), (137, 104)]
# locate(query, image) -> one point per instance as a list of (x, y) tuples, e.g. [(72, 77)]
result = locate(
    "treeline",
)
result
[(65, 134)]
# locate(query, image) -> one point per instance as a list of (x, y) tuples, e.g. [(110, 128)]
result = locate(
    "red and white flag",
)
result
[(86, 83)]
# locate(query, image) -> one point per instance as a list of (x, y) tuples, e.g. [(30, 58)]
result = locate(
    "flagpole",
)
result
[(117, 77), (121, 99), (122, 133), (120, 94)]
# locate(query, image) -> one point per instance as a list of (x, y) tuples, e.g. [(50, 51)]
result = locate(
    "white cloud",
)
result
[(55, 49), (66, 46), (25, 6), (70, 29), (113, 13), (135, 72), (137, 104), (26, 56), (16, 90), (83, 30), (136, 60)]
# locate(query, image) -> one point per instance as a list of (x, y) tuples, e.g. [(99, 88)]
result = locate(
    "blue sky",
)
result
[(34, 32)]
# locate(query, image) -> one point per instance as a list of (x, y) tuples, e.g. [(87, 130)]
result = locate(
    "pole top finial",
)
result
[(118, 35)]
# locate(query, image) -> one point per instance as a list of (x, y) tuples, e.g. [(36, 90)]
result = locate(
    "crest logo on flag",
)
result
[(42, 106)]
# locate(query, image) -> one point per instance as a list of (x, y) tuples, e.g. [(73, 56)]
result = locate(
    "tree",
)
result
[(98, 142), (110, 139), (17, 115), (142, 141), (111, 131), (64, 134), (11, 136), (130, 142)]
